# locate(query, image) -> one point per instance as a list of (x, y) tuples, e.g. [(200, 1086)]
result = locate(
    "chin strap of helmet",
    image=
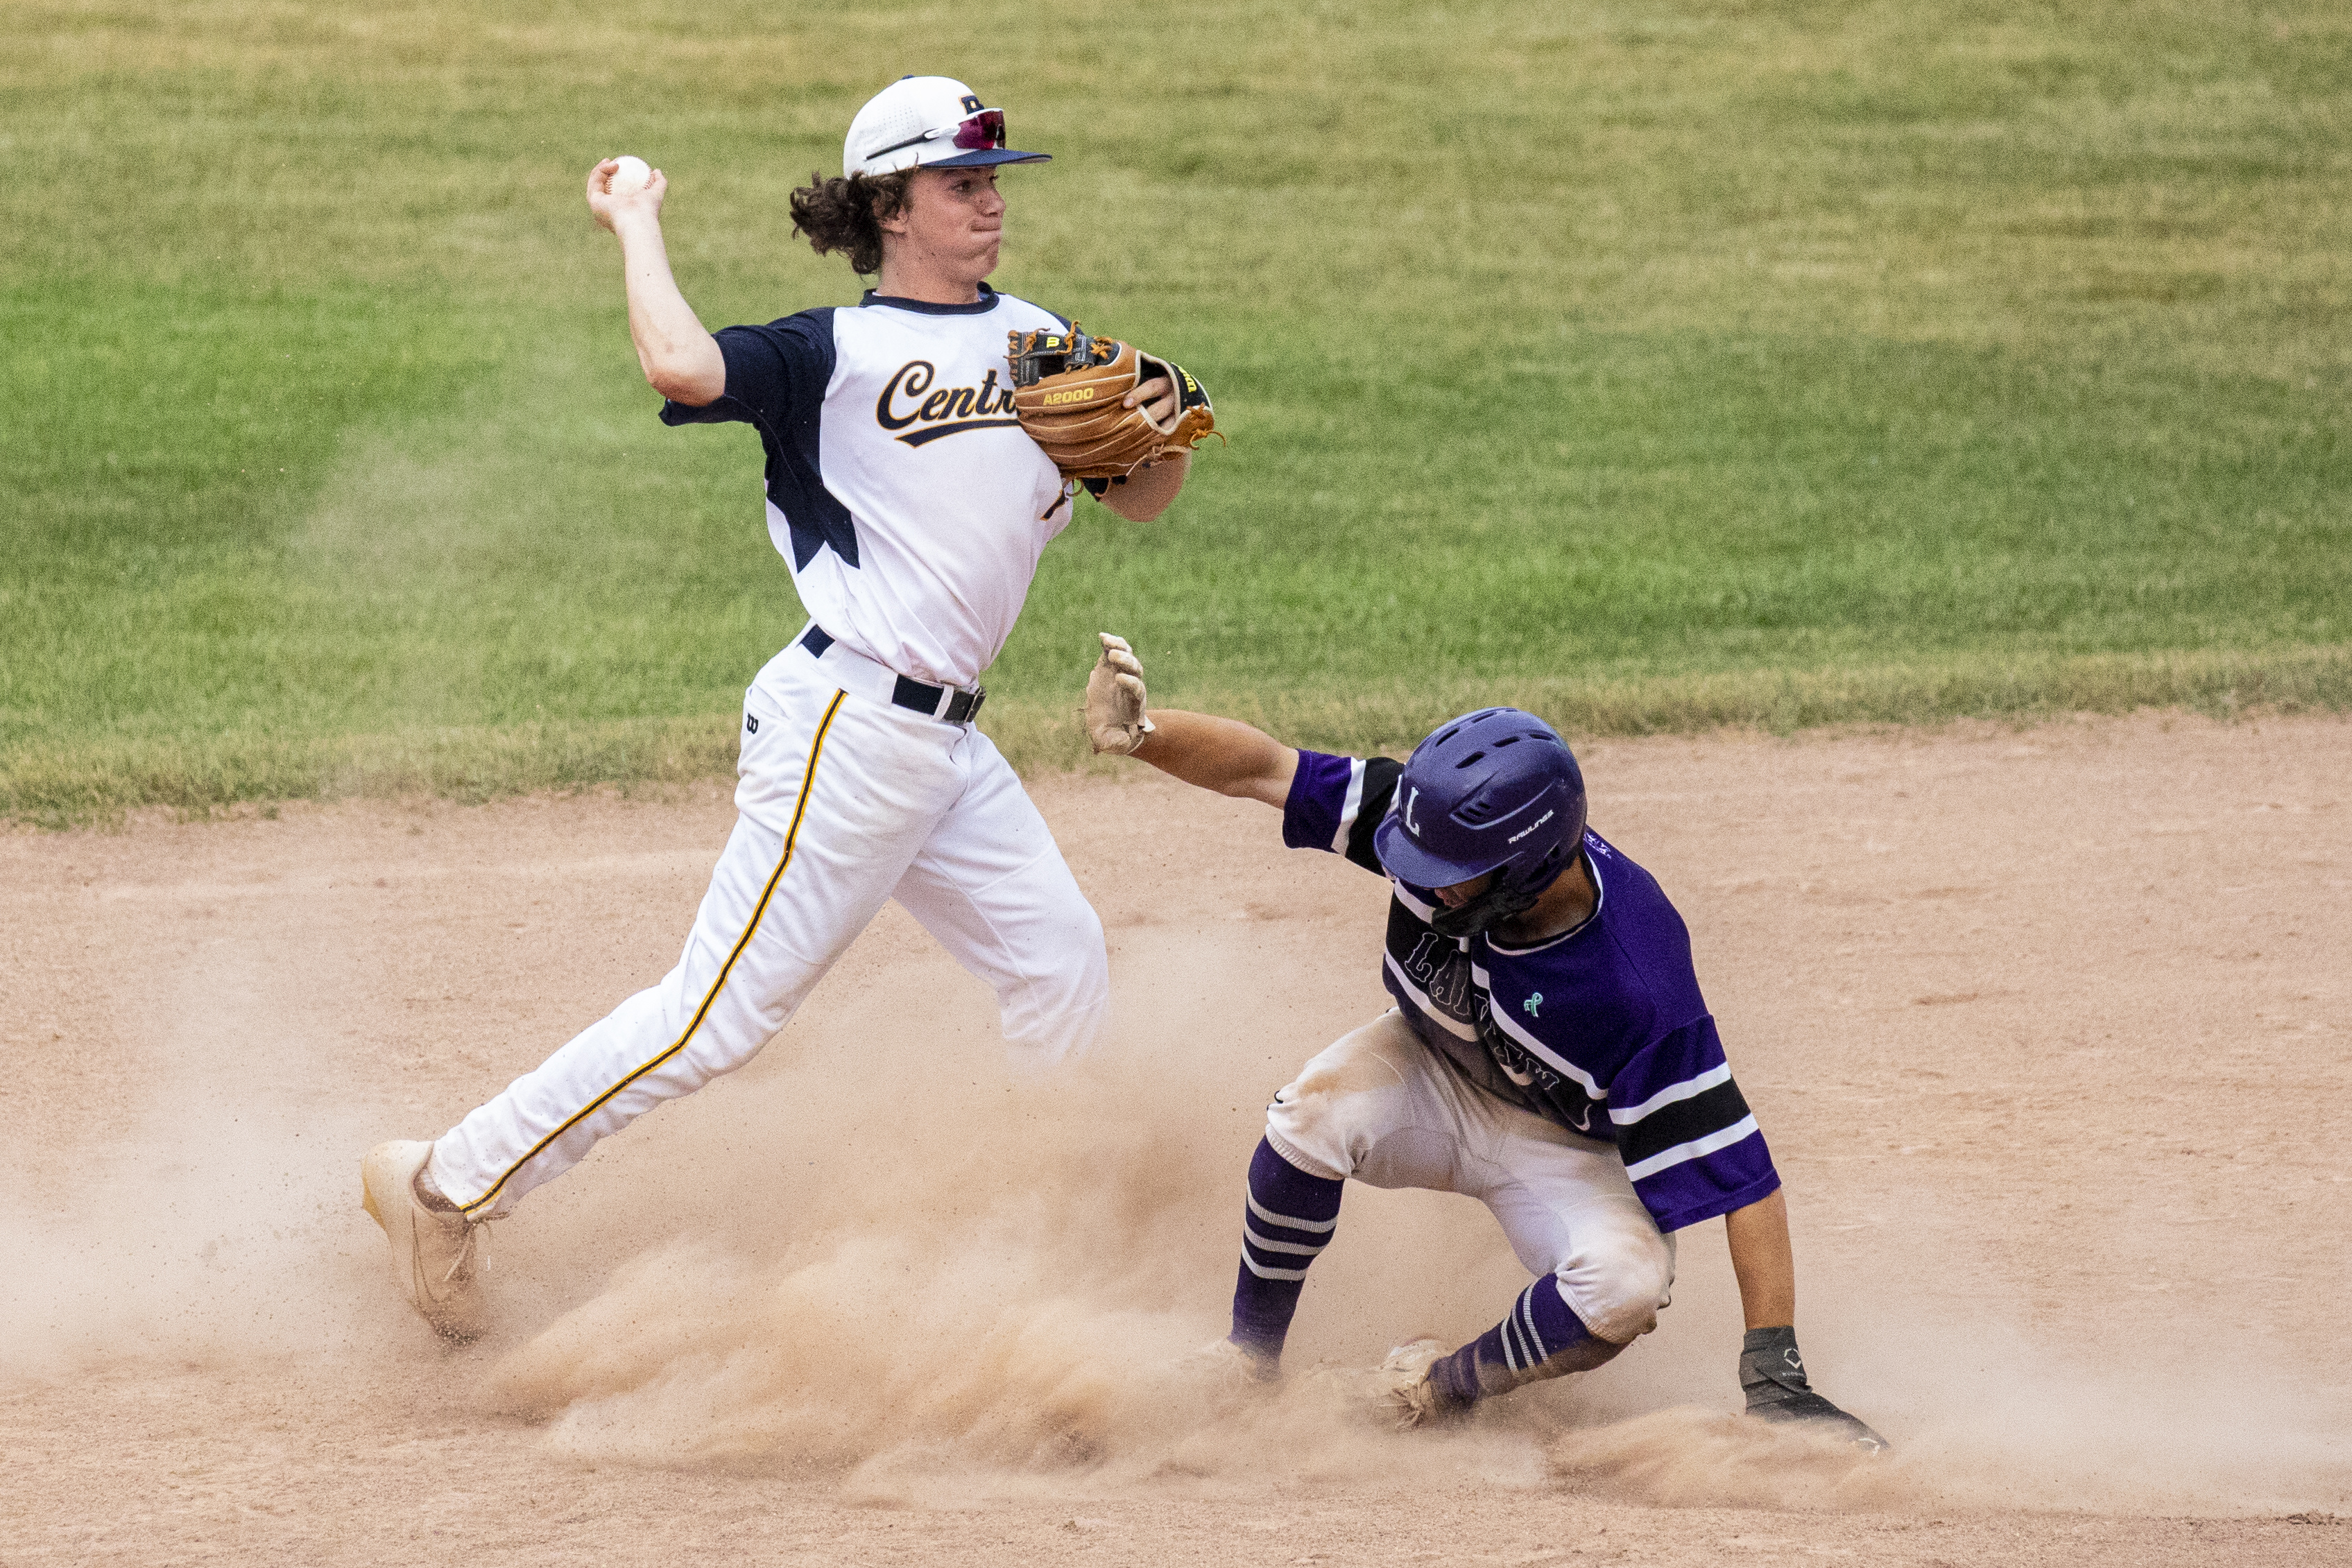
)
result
[(1504, 897)]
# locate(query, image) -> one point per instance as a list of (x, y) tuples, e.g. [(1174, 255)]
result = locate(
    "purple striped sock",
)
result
[(1288, 1222), (1541, 1338)]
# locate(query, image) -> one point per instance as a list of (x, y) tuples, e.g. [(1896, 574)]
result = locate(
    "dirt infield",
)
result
[(2047, 1027)]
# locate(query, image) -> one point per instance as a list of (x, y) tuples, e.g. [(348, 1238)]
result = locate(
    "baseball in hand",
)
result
[(632, 175)]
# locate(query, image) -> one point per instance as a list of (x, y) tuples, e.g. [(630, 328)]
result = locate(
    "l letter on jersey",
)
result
[(965, 408)]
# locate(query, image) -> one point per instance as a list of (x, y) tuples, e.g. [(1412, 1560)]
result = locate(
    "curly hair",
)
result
[(845, 214)]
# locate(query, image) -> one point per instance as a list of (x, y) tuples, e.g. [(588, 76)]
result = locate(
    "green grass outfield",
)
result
[(1655, 365)]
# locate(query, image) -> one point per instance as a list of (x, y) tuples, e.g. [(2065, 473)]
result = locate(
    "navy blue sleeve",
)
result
[(1336, 802), (776, 375)]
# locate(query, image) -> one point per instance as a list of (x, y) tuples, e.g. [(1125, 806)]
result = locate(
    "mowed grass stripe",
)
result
[(1670, 365)]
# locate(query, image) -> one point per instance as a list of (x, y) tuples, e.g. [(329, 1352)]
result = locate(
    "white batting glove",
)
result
[(1115, 720)]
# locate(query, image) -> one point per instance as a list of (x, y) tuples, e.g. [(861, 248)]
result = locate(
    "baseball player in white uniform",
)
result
[(912, 510)]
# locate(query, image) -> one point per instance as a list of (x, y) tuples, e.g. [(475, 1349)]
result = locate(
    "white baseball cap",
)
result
[(935, 122)]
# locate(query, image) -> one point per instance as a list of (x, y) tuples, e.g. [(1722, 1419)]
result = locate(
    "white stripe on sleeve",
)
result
[(1719, 1073), (1665, 1159), (1350, 806)]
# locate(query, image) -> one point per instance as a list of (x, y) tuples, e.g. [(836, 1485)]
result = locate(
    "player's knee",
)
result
[(1058, 1014), (1329, 1117), (1618, 1280)]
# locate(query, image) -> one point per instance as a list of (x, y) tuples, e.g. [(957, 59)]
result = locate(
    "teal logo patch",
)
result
[(1533, 1002)]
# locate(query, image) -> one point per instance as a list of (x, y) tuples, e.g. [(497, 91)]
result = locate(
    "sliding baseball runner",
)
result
[(912, 506), (1548, 1054)]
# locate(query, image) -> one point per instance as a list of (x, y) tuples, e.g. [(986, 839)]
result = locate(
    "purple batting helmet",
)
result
[(1494, 790)]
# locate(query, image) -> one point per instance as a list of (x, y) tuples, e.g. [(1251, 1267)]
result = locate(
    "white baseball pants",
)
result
[(845, 800), (1380, 1106)]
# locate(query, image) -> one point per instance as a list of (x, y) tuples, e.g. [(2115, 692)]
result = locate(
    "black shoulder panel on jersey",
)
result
[(1381, 775), (776, 381), (795, 479)]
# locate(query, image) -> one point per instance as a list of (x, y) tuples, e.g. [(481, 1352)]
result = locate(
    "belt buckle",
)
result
[(964, 706)]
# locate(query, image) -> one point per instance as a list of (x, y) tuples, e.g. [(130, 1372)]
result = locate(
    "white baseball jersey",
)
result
[(900, 487)]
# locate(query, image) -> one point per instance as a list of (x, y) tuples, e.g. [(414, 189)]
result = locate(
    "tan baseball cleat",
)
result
[(435, 1257), (1228, 1369), (1401, 1390)]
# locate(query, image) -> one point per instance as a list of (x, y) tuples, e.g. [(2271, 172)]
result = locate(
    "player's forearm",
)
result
[(1763, 1262), (1220, 754), (680, 359), (1150, 491)]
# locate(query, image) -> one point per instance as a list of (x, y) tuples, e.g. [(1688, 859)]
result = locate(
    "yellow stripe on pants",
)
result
[(792, 835)]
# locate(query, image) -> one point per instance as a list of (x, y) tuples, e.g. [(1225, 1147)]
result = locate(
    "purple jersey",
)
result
[(1601, 1029)]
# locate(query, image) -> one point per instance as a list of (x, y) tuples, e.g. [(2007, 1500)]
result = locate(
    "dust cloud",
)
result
[(994, 1291), (876, 1262), (969, 1291), (204, 1224)]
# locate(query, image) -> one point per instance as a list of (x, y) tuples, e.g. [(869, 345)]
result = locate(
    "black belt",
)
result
[(962, 708)]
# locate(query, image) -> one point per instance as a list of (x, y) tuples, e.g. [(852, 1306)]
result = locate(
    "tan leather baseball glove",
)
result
[(1067, 389)]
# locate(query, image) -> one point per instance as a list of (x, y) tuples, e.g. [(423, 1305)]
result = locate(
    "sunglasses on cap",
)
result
[(982, 130)]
